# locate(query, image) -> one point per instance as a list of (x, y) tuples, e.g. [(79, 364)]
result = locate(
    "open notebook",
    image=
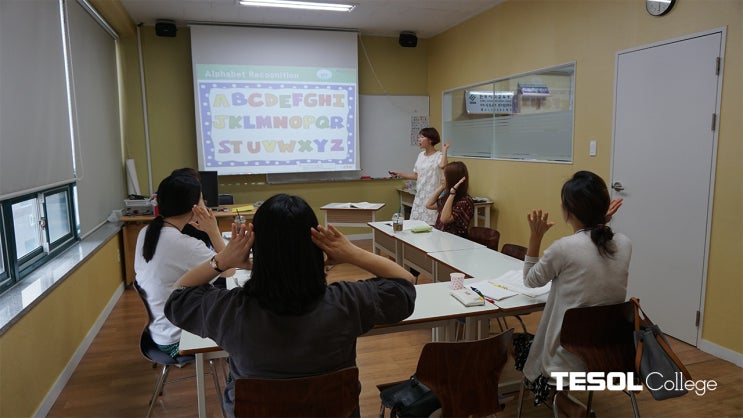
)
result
[(508, 284)]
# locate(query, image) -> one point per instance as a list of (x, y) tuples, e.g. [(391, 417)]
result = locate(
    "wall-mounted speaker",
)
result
[(408, 39), (165, 28)]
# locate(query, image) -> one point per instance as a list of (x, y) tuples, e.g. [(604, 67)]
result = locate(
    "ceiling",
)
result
[(426, 18)]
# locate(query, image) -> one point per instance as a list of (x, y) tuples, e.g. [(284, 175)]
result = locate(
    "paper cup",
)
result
[(457, 281)]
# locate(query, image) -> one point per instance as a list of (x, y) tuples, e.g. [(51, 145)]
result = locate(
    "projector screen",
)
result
[(275, 100)]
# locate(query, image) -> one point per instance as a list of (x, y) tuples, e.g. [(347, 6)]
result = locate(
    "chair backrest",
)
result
[(602, 336), (488, 237), (147, 346), (333, 394), (143, 297), (464, 375), (514, 250)]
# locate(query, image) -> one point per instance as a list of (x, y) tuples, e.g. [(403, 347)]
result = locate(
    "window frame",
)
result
[(16, 268)]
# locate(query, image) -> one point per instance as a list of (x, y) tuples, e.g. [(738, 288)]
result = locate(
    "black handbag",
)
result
[(410, 399), (655, 362)]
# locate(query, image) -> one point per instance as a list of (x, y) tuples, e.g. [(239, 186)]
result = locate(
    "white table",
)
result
[(482, 263), (434, 309), (203, 349), (351, 214), (412, 249)]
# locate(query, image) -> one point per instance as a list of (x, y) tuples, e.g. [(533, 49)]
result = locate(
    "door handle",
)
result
[(617, 186)]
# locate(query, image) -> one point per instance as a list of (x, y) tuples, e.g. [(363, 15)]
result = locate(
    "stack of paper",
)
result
[(243, 209)]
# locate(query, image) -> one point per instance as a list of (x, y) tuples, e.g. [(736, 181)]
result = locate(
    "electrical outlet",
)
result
[(592, 149)]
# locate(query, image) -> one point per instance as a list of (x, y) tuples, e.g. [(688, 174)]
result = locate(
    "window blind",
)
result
[(99, 163), (35, 147)]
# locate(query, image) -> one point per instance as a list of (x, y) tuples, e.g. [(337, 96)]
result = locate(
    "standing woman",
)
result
[(587, 268), (426, 173), (453, 205), (163, 253)]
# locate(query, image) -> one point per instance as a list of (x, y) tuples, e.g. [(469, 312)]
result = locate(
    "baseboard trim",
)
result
[(721, 352), (64, 377), (358, 237)]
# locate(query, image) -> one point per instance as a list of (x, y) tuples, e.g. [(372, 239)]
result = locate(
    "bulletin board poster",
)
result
[(417, 122)]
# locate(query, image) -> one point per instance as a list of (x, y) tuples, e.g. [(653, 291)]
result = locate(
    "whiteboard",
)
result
[(388, 130)]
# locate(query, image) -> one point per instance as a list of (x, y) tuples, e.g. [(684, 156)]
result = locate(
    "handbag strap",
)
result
[(646, 321)]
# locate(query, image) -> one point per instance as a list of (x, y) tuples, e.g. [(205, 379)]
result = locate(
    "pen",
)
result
[(474, 289)]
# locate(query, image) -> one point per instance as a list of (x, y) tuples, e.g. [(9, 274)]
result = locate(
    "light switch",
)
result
[(592, 149)]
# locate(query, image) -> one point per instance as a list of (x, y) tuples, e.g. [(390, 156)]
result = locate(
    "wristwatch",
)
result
[(215, 266)]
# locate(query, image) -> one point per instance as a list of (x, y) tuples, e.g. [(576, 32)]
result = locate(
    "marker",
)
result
[(474, 289)]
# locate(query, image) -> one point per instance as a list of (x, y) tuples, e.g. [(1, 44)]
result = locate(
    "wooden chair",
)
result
[(514, 250), (464, 375), (151, 352), (333, 394), (602, 336), (488, 237)]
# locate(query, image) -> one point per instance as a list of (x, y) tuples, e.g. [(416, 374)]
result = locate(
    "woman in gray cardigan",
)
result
[(587, 268)]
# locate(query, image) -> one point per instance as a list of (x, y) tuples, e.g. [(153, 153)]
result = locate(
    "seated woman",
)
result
[(587, 268), (454, 206), (287, 321), (163, 254)]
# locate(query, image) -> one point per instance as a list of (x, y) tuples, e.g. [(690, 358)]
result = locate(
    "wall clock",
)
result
[(659, 7)]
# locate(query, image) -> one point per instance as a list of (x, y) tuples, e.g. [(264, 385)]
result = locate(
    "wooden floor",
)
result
[(114, 380)]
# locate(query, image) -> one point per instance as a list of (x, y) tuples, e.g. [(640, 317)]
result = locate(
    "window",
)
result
[(36, 227), (522, 117)]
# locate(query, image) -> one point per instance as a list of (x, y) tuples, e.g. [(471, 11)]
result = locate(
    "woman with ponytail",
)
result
[(587, 268), (163, 253)]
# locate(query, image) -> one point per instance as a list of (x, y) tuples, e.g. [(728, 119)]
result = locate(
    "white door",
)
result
[(662, 165)]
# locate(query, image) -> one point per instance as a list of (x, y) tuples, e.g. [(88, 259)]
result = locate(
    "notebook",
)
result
[(467, 297)]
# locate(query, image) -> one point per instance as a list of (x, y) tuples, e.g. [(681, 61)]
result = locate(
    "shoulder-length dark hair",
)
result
[(586, 197), (432, 134), (453, 172), (288, 275), (176, 195)]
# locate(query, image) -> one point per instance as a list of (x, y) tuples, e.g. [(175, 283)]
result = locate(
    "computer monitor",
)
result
[(210, 188)]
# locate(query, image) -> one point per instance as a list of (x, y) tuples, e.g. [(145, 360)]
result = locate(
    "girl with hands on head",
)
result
[(163, 253), (586, 268), (454, 206), (287, 321)]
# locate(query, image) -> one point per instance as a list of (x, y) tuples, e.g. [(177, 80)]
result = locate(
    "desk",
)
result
[(203, 349), (482, 263), (412, 249), (482, 209), (434, 307), (133, 224), (348, 214)]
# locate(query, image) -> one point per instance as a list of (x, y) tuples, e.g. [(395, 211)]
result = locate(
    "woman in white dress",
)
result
[(427, 173)]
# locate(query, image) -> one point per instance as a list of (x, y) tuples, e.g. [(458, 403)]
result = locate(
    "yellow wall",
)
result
[(520, 36), (36, 350)]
